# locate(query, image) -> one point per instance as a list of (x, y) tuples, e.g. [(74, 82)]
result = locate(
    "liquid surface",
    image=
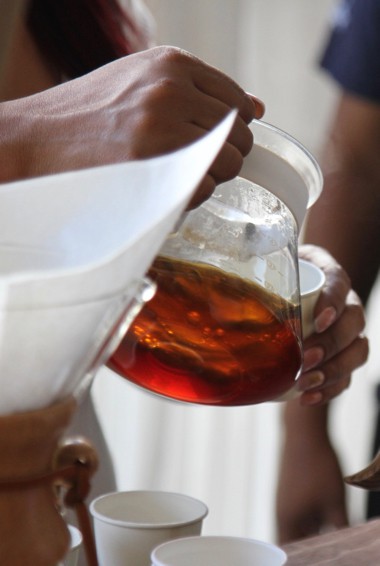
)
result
[(210, 337)]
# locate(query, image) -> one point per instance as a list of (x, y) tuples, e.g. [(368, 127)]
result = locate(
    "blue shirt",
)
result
[(352, 55)]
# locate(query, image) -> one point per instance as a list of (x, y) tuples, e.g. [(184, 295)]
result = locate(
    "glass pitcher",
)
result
[(224, 327)]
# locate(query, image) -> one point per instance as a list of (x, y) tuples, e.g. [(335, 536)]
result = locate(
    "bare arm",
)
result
[(345, 221), (139, 106)]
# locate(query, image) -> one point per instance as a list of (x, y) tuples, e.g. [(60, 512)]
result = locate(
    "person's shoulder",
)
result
[(351, 55), (349, 14)]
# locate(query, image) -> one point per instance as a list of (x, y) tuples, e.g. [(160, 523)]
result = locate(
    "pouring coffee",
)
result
[(224, 327)]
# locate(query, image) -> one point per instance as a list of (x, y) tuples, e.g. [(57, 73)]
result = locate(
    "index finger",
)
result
[(215, 83)]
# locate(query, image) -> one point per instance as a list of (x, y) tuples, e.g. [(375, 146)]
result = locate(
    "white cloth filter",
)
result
[(73, 247)]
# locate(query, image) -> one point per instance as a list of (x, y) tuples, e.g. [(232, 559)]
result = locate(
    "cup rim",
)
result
[(320, 278), (130, 524), (283, 155), (279, 552), (300, 146)]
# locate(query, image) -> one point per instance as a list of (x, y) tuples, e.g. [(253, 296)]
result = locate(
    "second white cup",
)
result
[(76, 542), (129, 525), (218, 551), (312, 280)]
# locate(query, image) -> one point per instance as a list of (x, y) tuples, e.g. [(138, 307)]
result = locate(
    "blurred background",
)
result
[(228, 456)]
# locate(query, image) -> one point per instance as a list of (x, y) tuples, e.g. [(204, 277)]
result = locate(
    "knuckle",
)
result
[(172, 55), (332, 344), (148, 124), (228, 164), (342, 275), (203, 192), (235, 164), (248, 109), (364, 343), (166, 89), (336, 386), (247, 143), (362, 319), (343, 281), (340, 367), (336, 370), (356, 314)]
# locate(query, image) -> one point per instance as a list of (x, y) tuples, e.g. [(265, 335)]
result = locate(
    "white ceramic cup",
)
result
[(72, 556), (129, 524), (312, 280), (217, 551)]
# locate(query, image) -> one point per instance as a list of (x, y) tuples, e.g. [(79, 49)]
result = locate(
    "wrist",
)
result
[(303, 421)]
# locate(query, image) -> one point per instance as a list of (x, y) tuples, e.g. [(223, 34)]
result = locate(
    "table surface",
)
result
[(353, 546)]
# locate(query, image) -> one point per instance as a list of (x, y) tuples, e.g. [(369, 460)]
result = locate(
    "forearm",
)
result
[(345, 219), (167, 99), (310, 423), (14, 151), (345, 223)]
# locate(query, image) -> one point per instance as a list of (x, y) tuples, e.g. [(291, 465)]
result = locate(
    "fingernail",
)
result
[(325, 319), (259, 106), (310, 381), (312, 357)]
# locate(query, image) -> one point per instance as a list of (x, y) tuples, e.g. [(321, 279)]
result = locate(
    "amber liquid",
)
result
[(210, 337)]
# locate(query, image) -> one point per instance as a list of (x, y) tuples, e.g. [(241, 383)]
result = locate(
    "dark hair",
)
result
[(78, 36)]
